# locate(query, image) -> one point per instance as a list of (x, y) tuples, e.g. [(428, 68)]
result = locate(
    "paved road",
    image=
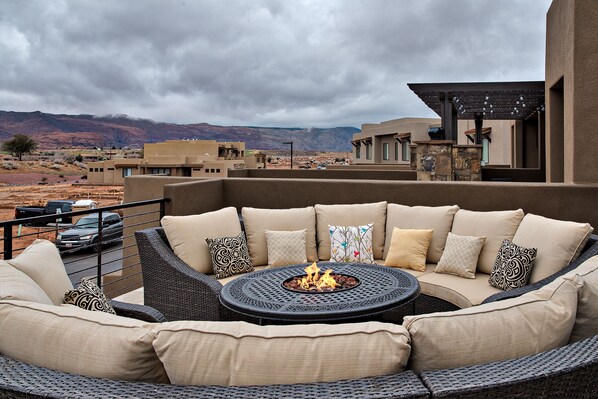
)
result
[(84, 263)]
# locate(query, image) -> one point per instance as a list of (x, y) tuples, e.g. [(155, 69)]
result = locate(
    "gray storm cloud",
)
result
[(260, 62)]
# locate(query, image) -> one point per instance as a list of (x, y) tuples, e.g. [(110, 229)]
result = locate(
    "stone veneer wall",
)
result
[(442, 160), (467, 162)]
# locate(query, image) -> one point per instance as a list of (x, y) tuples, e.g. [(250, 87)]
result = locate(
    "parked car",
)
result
[(51, 207), (85, 233)]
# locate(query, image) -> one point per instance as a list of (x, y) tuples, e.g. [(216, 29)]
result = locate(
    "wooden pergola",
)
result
[(479, 101)]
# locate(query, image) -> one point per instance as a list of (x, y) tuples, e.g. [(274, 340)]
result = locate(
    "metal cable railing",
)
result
[(98, 244)]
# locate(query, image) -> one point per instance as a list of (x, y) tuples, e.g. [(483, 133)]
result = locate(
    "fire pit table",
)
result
[(261, 294)]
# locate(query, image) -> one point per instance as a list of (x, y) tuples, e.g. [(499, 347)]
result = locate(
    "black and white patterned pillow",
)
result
[(513, 266), (230, 255), (88, 296)]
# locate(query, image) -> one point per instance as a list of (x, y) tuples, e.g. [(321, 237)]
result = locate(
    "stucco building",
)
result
[(389, 142), (191, 158)]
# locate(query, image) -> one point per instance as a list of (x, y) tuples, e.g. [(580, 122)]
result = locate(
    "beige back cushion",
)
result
[(73, 340), (187, 235), (257, 221), (535, 322), (558, 242), (238, 353), (15, 284), (586, 278), (42, 262), (496, 226), (351, 215), (438, 218)]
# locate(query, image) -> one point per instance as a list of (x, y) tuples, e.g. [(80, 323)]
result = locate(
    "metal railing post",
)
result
[(162, 208), (8, 242), (99, 248)]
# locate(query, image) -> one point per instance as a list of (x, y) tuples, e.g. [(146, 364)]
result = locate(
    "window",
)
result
[(358, 151), (101, 169), (110, 168), (396, 150), (406, 151), (160, 171), (368, 152), (385, 151), (127, 172), (485, 150), (217, 170)]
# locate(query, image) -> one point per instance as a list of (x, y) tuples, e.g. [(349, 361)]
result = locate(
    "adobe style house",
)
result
[(190, 158), (389, 142), (531, 131)]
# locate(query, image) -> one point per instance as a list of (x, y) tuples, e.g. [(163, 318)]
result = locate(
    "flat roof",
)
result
[(492, 100)]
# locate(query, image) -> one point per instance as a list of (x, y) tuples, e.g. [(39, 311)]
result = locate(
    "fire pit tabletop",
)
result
[(260, 294)]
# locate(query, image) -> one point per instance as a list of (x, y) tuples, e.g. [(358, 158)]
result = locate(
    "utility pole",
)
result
[(291, 143)]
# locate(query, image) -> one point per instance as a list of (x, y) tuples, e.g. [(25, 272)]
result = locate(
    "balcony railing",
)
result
[(104, 256)]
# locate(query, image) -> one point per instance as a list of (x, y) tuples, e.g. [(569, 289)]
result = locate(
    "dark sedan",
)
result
[(85, 233)]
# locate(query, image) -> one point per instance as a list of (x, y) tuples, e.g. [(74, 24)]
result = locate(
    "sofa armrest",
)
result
[(590, 250), (171, 286), (568, 371), (139, 312)]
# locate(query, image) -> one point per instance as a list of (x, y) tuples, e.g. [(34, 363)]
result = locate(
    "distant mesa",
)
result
[(55, 131)]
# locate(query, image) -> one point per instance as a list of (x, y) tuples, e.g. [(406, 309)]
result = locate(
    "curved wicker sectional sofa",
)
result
[(170, 285)]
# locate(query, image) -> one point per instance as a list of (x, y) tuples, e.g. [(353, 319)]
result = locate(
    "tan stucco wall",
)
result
[(571, 58)]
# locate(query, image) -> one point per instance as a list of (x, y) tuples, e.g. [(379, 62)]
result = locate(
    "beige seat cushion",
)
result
[(14, 284), (530, 324), (586, 278), (187, 235), (228, 279), (42, 262), (74, 340), (430, 267), (495, 226), (351, 215), (558, 243), (459, 291), (238, 353), (437, 218), (257, 221)]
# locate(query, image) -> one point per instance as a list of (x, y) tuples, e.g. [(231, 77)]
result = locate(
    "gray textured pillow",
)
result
[(230, 255), (286, 247), (460, 256)]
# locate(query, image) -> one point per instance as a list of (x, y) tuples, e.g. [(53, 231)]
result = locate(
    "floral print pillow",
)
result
[(351, 243)]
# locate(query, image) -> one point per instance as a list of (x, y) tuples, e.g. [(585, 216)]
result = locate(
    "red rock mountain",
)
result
[(55, 131)]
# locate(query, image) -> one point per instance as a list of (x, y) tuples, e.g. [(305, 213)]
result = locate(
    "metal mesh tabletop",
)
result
[(260, 294)]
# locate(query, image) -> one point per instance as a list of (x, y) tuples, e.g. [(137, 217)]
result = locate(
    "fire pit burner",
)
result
[(314, 282), (344, 282)]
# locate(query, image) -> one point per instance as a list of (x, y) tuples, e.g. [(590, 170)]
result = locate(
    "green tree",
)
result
[(20, 144)]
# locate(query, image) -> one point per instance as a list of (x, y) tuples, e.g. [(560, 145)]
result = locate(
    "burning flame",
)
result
[(314, 279)]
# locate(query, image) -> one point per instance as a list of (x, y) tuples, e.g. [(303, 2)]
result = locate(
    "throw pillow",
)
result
[(351, 243), (513, 266), (88, 296), (460, 256), (286, 247), (408, 248), (42, 262), (230, 255)]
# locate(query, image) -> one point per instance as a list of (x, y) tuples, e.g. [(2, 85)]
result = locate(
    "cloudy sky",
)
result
[(259, 62)]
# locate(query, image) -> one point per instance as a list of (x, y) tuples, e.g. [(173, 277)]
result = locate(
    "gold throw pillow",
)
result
[(408, 248)]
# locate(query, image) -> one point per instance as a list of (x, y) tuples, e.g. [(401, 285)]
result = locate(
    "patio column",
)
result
[(448, 115), (479, 123)]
